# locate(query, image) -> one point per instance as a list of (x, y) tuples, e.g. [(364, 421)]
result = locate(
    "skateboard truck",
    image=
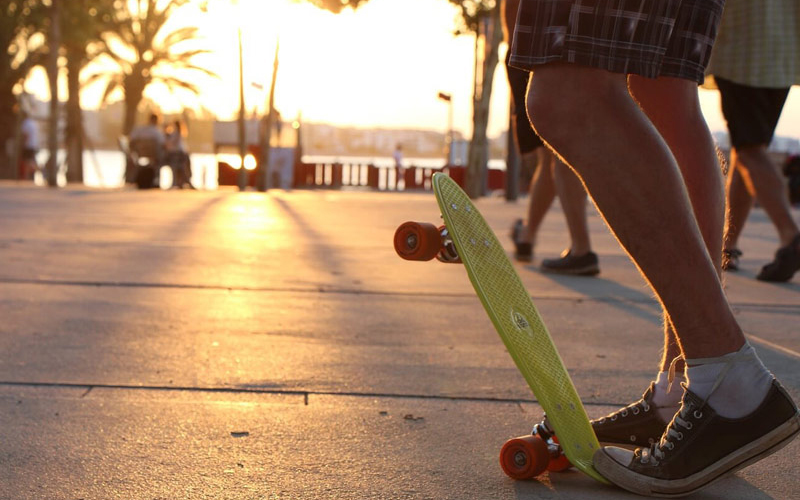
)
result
[(425, 241), (526, 457)]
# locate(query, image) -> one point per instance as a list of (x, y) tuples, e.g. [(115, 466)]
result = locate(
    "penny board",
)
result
[(518, 323)]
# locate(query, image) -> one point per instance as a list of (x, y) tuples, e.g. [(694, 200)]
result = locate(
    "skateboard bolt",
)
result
[(520, 460), (411, 241)]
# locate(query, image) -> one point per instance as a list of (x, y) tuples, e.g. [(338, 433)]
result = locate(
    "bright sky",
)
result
[(380, 66)]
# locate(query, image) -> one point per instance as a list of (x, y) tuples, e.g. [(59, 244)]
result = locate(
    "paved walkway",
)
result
[(224, 345)]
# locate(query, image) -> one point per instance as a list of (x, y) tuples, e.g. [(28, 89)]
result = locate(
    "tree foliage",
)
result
[(337, 6), (144, 53), (472, 13)]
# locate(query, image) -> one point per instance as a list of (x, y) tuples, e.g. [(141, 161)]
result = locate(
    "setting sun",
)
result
[(380, 66)]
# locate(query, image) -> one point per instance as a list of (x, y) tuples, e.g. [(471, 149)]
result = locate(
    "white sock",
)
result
[(667, 403), (741, 389)]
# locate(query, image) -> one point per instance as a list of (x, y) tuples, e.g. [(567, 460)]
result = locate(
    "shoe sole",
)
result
[(779, 279), (739, 459)]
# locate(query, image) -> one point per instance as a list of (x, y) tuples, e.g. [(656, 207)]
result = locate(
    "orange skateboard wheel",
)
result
[(417, 241), (524, 457), (559, 464)]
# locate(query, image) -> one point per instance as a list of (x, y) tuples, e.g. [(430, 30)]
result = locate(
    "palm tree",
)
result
[(144, 54), (82, 24)]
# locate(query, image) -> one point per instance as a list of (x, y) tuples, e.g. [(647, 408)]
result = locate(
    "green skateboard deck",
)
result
[(518, 323)]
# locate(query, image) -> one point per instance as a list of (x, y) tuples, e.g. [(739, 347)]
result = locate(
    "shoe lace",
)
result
[(674, 432), (633, 408), (657, 451)]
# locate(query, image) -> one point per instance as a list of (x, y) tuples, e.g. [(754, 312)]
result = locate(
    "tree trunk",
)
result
[(9, 153), (478, 155), (134, 90), (52, 76), (74, 135)]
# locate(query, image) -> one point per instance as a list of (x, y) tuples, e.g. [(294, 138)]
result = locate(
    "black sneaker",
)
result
[(730, 259), (786, 263), (523, 251), (583, 265), (638, 424), (700, 447)]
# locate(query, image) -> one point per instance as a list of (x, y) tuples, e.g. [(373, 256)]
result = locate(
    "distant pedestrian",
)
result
[(177, 156), (754, 63), (398, 165), (30, 146), (147, 152)]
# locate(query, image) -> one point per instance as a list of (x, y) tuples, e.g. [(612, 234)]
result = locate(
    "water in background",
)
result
[(106, 168)]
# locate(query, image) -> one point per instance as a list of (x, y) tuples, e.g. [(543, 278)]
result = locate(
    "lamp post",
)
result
[(242, 180), (265, 178), (448, 98)]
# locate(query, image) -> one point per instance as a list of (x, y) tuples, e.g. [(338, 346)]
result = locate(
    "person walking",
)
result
[(30, 146), (551, 177), (755, 61)]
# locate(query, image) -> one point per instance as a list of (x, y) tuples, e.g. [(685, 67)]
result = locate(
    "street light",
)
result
[(242, 181), (448, 98)]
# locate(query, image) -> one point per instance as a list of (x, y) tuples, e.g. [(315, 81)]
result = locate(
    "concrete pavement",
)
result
[(182, 344)]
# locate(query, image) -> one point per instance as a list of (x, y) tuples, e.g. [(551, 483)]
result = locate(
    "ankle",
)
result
[(734, 385), (579, 250), (790, 237), (668, 393)]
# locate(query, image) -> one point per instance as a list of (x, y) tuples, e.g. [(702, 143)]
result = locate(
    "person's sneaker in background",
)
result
[(582, 265), (523, 251), (786, 263)]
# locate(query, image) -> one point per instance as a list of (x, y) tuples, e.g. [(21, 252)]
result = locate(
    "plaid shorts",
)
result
[(650, 38)]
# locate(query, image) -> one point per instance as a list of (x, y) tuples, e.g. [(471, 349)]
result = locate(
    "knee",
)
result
[(753, 156), (565, 101), (547, 110)]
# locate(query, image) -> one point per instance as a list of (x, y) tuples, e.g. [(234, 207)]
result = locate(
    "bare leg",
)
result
[(759, 172), (541, 194), (572, 194), (665, 104), (740, 198), (588, 116)]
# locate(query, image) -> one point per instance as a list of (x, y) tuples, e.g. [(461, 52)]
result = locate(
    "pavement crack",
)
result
[(328, 290), (306, 394)]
